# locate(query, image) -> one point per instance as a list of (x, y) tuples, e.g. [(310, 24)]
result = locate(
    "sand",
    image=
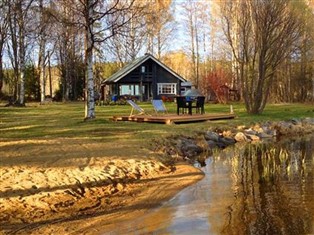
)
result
[(67, 186)]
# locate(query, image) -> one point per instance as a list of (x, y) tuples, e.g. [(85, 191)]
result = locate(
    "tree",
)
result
[(69, 44), (217, 82), (3, 35), (265, 32), (114, 15), (159, 26), (19, 23), (196, 21), (126, 45), (42, 50)]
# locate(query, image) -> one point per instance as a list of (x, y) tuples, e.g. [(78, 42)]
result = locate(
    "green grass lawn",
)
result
[(66, 120)]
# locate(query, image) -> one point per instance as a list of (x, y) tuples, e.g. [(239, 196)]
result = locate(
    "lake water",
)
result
[(248, 189)]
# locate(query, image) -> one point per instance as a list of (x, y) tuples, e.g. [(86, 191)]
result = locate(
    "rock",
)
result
[(283, 128), (227, 141), (308, 121), (257, 128), (211, 136), (241, 128), (295, 121), (227, 133), (241, 137), (212, 144), (253, 137), (267, 129), (191, 150), (250, 132), (221, 145), (263, 135)]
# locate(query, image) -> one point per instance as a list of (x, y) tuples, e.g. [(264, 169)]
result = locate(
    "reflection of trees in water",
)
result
[(273, 189)]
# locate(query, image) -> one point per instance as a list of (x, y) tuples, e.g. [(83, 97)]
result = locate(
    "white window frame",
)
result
[(162, 86)]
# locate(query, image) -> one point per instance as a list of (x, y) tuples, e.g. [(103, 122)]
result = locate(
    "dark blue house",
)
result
[(156, 79)]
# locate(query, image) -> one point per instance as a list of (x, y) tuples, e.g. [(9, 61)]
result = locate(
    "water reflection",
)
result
[(273, 189), (248, 189)]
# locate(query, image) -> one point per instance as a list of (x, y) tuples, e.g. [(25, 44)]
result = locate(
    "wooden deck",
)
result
[(171, 118)]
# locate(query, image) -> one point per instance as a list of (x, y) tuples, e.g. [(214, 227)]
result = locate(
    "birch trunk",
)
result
[(21, 56), (42, 71), (42, 56), (89, 100)]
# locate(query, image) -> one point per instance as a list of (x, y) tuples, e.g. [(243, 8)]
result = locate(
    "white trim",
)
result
[(160, 88)]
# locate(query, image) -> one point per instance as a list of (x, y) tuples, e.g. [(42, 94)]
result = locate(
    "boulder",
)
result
[(253, 137), (250, 132), (212, 144), (241, 137), (227, 141), (308, 121), (264, 135), (191, 150), (209, 135), (227, 133), (295, 121)]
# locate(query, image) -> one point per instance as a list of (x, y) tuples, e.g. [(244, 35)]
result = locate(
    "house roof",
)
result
[(134, 64)]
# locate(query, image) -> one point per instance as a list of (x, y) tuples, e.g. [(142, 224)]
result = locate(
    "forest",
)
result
[(262, 49)]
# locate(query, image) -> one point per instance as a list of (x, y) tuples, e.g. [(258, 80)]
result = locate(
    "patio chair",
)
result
[(159, 106), (135, 107), (200, 100), (181, 104)]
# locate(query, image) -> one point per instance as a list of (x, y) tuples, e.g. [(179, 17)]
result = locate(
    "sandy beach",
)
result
[(48, 187)]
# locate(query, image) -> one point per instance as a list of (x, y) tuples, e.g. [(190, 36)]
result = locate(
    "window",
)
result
[(130, 89), (167, 88)]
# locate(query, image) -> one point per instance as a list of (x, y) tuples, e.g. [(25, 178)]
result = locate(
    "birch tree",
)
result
[(113, 16), (70, 45), (196, 25), (159, 25), (126, 45), (3, 35), (42, 51), (19, 18)]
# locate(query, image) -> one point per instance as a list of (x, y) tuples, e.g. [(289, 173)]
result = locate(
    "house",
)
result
[(156, 79)]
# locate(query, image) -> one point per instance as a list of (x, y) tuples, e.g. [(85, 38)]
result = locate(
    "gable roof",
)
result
[(134, 64)]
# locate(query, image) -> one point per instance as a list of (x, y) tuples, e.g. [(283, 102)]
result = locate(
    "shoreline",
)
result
[(36, 212), (77, 194)]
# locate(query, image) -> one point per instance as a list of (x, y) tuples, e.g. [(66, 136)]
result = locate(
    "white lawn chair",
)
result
[(135, 107)]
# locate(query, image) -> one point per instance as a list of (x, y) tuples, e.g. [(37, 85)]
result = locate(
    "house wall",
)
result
[(154, 74), (163, 76)]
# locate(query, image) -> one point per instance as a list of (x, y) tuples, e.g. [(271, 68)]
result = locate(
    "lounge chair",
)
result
[(135, 107), (159, 106)]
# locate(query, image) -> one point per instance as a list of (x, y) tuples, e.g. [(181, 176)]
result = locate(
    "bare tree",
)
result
[(159, 25), (129, 42), (196, 24), (19, 20), (69, 44), (3, 35), (265, 32), (43, 33)]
